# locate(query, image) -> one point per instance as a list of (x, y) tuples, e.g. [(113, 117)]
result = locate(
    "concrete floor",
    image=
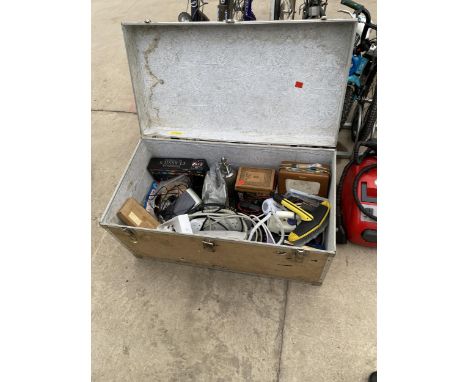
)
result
[(162, 322)]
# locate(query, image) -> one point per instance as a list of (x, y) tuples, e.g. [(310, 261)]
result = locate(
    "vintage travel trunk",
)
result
[(257, 93)]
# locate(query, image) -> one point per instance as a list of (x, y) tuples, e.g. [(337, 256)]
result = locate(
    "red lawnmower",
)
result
[(357, 198)]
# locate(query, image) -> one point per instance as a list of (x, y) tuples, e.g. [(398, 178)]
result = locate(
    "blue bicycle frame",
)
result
[(358, 63), (248, 13)]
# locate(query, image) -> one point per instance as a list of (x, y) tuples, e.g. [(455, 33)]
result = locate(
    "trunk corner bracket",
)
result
[(131, 234)]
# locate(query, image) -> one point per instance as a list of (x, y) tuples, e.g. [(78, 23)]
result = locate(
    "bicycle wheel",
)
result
[(370, 119), (348, 102), (184, 17), (356, 124), (284, 9), (238, 10), (277, 10), (361, 111)]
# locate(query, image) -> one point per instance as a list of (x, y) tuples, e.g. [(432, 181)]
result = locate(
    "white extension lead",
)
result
[(257, 226), (216, 217), (261, 223)]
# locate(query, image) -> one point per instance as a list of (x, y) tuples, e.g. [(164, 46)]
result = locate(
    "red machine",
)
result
[(357, 198)]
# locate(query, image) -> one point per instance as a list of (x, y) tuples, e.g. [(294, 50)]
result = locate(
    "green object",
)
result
[(352, 4)]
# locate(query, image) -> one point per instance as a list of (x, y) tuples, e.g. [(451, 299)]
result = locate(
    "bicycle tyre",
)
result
[(203, 17), (369, 120), (356, 123), (184, 17), (238, 10), (322, 12), (348, 102), (277, 10)]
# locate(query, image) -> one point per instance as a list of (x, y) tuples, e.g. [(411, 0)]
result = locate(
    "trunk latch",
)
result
[(209, 245)]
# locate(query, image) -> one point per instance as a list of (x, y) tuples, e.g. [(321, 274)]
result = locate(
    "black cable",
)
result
[(367, 15), (208, 217), (355, 191), (339, 192), (165, 197), (220, 207)]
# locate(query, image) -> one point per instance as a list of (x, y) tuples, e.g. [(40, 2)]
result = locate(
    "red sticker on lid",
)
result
[(299, 84), (241, 182)]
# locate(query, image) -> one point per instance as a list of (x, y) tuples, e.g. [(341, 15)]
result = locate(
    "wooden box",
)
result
[(257, 93)]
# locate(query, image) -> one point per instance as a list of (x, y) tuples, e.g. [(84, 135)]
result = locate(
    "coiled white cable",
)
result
[(257, 222), (215, 217), (267, 230), (218, 216), (260, 223), (280, 241)]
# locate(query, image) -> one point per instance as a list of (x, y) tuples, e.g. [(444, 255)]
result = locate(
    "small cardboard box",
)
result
[(133, 214), (256, 180)]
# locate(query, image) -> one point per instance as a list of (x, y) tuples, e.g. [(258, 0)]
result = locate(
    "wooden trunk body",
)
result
[(168, 91)]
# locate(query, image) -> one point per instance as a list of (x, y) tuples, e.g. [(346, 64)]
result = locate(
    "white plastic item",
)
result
[(232, 235), (274, 225), (180, 224), (229, 220), (269, 205)]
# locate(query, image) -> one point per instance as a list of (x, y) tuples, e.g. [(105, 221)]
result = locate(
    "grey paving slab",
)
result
[(335, 5), (330, 331), (161, 322), (114, 137), (154, 321), (111, 86)]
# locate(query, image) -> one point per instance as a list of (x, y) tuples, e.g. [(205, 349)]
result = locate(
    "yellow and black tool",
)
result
[(314, 219), (290, 205)]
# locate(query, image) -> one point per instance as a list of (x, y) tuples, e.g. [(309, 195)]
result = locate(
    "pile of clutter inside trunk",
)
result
[(287, 206)]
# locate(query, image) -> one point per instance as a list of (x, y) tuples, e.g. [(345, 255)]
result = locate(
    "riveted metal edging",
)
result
[(325, 268)]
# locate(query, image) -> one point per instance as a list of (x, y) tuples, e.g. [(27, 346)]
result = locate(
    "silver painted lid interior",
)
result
[(253, 82)]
